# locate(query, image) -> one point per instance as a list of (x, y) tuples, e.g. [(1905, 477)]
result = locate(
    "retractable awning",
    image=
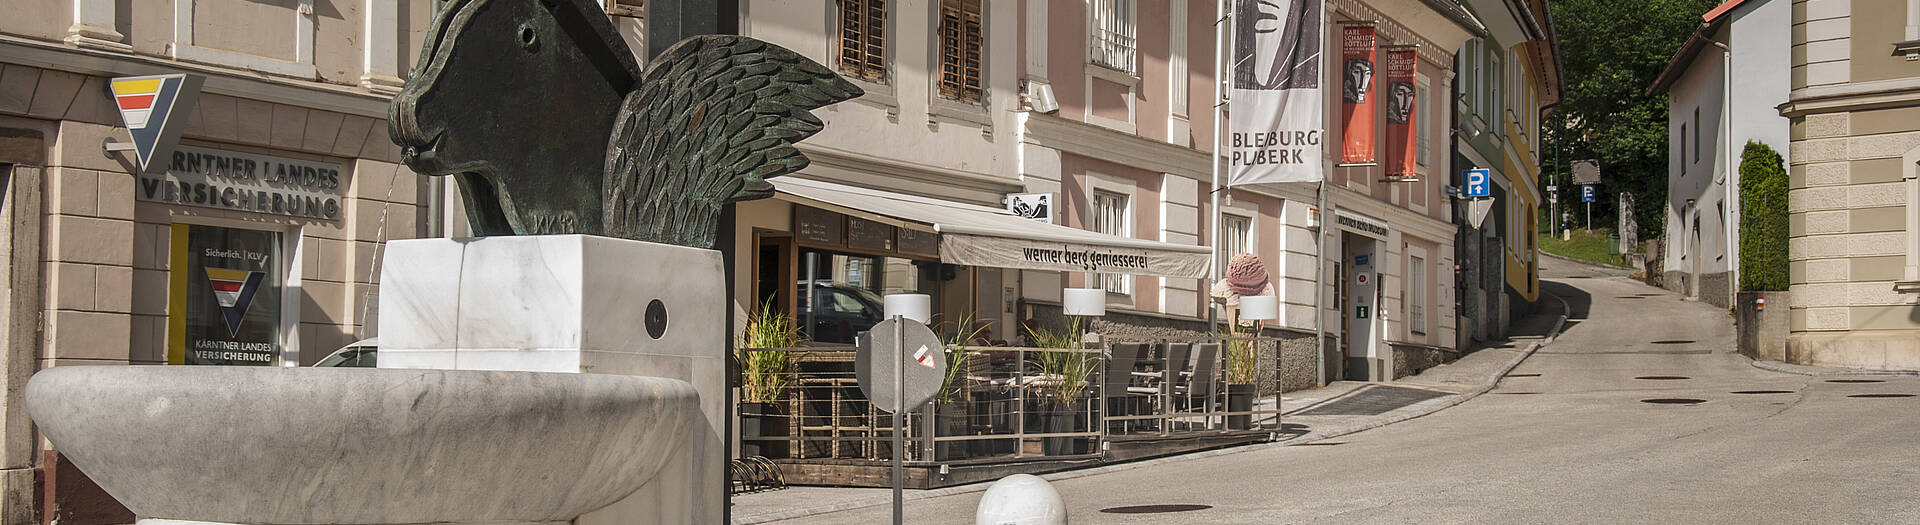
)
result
[(982, 236)]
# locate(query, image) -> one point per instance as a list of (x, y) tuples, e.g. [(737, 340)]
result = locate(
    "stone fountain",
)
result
[(568, 367)]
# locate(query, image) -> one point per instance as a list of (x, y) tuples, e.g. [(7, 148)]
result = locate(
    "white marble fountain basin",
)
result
[(263, 445)]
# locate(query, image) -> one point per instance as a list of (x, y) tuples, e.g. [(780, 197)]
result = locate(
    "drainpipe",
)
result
[(1730, 177)]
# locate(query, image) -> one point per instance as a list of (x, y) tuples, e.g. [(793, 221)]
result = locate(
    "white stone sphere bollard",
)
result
[(1021, 499)]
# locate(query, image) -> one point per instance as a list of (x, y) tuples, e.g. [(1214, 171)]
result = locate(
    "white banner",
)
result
[(1028, 254), (1276, 130)]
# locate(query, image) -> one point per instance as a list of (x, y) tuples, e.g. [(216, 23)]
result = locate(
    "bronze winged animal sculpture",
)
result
[(539, 112)]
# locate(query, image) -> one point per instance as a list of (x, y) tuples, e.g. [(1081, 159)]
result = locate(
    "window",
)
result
[(1683, 148), (961, 46), (1237, 238), (1421, 124), (863, 39), (1493, 92), (1110, 217), (1417, 295), (1113, 40), (633, 8), (1696, 134)]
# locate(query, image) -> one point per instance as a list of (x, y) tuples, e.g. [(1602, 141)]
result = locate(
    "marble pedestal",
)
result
[(574, 304)]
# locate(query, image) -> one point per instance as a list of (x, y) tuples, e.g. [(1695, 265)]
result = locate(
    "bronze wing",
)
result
[(715, 116)]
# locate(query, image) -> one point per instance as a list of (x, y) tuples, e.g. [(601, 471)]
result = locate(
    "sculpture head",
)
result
[(515, 99)]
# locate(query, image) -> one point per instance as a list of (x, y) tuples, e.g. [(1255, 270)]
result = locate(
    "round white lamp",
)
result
[(915, 306), (1021, 499), (1084, 301), (1259, 308)]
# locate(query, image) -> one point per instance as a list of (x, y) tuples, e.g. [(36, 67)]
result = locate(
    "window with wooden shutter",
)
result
[(961, 46), (863, 39)]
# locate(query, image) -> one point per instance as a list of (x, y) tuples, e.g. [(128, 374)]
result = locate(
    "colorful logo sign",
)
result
[(155, 110), (233, 291)]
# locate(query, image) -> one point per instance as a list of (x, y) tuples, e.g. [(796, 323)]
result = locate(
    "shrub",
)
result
[(1763, 219)]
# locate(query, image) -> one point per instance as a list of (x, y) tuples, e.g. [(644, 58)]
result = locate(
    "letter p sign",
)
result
[(1479, 183)]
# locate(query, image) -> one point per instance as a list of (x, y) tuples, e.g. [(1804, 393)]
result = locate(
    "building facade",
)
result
[(1106, 108), (1709, 123), (108, 265), (1854, 105), (1506, 81)]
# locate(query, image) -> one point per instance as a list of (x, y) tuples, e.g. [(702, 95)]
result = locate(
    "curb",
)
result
[(1586, 262), (1817, 371), (1429, 407)]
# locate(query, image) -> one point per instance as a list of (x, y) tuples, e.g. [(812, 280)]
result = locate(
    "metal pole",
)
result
[(1320, 288), (899, 405), (1220, 77), (813, 259)]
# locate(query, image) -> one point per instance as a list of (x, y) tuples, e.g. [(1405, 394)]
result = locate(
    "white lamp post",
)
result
[(1259, 308), (915, 306), (1085, 302)]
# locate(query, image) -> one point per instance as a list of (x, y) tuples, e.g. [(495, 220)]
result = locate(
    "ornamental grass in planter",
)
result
[(768, 371), (1067, 374)]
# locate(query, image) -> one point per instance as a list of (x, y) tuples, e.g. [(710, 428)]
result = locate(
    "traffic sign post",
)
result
[(1587, 196), (900, 364)]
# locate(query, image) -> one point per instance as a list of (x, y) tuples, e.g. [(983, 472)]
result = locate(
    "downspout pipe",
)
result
[(1731, 177)]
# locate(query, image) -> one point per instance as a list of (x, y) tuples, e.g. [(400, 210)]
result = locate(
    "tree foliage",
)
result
[(1763, 219), (1610, 52)]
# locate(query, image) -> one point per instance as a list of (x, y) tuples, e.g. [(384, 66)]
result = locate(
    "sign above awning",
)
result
[(981, 236)]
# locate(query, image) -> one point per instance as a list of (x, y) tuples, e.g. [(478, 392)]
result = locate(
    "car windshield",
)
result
[(363, 357)]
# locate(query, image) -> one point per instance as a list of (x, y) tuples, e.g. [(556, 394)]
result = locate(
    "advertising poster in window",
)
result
[(1402, 122), (224, 298), (1276, 125), (1357, 49)]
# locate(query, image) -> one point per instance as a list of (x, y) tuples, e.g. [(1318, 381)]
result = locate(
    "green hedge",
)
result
[(1763, 219)]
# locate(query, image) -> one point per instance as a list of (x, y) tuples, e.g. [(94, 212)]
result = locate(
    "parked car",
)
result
[(360, 354), (843, 311)]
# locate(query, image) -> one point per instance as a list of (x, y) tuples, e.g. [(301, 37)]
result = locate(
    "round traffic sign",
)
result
[(923, 359)]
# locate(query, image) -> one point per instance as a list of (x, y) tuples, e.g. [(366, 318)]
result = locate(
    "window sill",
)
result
[(1906, 286), (221, 57), (1113, 75), (876, 94), (961, 111)]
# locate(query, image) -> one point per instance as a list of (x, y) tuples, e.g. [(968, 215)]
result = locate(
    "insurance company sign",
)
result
[(248, 182)]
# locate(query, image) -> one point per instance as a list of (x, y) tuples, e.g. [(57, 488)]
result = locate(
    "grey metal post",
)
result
[(899, 405), (813, 259)]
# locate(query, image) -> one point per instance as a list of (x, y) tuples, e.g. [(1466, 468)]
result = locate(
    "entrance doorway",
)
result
[(1358, 289)]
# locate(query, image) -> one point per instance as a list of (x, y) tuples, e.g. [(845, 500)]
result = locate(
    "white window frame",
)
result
[(1113, 35), (1116, 222), (182, 47), (1416, 293), (1245, 239), (1422, 111), (1119, 286)]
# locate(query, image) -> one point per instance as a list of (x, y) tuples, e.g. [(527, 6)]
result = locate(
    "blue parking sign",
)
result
[(1586, 193), (1479, 183)]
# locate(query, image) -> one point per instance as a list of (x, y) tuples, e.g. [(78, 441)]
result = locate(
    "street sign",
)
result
[(880, 353), (1587, 193), (1586, 172), (1477, 211), (1479, 183)]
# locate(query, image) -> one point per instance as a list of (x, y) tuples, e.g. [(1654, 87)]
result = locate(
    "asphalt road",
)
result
[(1574, 444)]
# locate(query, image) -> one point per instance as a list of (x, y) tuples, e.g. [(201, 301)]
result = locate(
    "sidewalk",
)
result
[(1338, 409)]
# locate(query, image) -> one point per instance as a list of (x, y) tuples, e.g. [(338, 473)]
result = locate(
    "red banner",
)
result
[(1402, 117), (1357, 93)]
